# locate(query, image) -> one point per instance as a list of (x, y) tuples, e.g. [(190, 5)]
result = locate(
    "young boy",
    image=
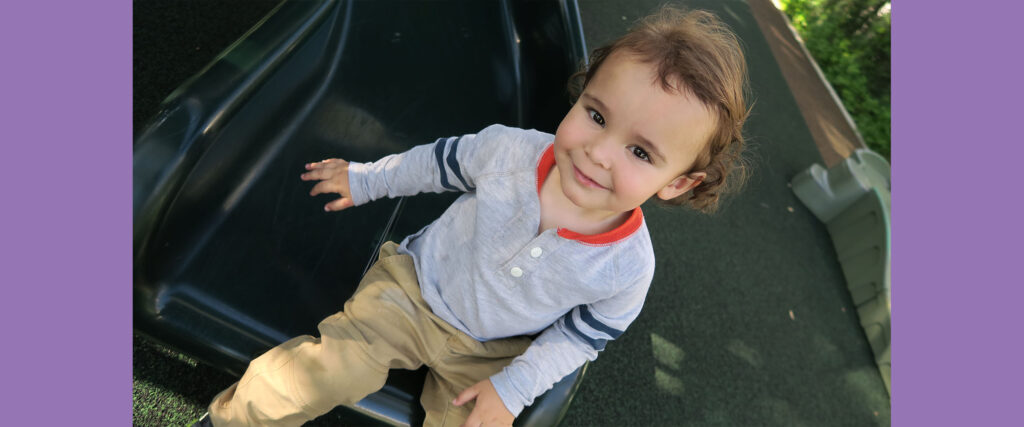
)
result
[(548, 238)]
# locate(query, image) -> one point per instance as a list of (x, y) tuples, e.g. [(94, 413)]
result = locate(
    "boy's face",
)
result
[(627, 139)]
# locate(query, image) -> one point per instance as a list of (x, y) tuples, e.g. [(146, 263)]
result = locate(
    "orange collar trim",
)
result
[(632, 224)]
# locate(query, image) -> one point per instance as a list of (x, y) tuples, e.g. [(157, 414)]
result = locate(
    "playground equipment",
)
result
[(232, 256), (853, 199)]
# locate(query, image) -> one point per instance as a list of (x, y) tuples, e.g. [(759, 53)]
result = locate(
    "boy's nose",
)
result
[(600, 152)]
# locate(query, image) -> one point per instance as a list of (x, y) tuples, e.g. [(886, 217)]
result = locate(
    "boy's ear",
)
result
[(681, 185)]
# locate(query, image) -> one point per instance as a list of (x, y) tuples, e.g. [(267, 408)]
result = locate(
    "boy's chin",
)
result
[(592, 203), (578, 200)]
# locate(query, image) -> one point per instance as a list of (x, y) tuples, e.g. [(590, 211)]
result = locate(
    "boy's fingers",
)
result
[(473, 420), (324, 187), (324, 163), (340, 204), (329, 186), (320, 174), (325, 172), (466, 395)]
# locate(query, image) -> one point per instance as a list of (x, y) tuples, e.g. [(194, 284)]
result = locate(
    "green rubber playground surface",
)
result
[(748, 321)]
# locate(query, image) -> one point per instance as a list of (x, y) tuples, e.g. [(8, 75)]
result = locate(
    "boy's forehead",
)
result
[(625, 75), (612, 69), (624, 67)]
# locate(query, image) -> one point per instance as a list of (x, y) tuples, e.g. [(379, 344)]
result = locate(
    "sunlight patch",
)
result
[(666, 353), (745, 352), (668, 382)]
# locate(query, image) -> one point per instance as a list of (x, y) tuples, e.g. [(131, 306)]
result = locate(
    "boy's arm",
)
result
[(566, 345), (448, 164)]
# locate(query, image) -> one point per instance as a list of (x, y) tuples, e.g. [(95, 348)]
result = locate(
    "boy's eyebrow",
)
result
[(646, 143), (649, 146), (596, 101)]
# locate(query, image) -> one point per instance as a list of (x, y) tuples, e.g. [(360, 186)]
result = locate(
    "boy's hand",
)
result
[(489, 409), (333, 177)]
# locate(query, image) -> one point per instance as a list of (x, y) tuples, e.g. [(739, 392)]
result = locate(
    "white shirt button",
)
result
[(516, 272), (535, 252)]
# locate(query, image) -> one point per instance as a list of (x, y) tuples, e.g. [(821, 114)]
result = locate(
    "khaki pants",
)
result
[(385, 325)]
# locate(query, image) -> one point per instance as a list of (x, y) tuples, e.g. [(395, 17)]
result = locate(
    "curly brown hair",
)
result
[(698, 51)]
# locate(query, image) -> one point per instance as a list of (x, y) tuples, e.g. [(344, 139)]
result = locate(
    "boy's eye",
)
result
[(596, 117), (641, 154)]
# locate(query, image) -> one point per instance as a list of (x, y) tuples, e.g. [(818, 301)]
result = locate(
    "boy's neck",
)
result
[(557, 211)]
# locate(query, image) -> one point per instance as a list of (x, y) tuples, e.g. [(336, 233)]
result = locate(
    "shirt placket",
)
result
[(531, 258)]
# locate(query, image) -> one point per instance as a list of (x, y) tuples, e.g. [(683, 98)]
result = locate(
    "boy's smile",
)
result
[(586, 180), (626, 139)]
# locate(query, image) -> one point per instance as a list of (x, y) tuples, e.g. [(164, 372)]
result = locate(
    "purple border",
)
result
[(957, 352), (66, 229)]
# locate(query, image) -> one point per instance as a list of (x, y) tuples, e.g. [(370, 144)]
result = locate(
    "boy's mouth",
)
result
[(585, 180)]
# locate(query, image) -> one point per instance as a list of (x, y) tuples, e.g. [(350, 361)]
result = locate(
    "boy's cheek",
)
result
[(572, 120), (570, 133)]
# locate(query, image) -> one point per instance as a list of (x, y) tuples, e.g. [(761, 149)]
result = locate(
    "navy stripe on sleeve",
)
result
[(439, 153), (594, 323), (453, 163), (597, 344)]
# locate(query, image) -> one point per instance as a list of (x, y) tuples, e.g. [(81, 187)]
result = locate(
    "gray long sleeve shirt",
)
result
[(483, 267)]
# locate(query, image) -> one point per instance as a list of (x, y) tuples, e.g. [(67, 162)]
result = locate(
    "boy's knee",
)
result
[(389, 248), (323, 377), (274, 359)]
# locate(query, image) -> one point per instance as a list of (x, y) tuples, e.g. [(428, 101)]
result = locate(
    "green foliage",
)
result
[(850, 41)]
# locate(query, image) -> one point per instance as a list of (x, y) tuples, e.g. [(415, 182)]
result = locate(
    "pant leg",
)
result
[(285, 385), (382, 327), (465, 362)]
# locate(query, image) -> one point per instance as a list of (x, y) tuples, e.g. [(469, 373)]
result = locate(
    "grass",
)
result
[(169, 388)]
